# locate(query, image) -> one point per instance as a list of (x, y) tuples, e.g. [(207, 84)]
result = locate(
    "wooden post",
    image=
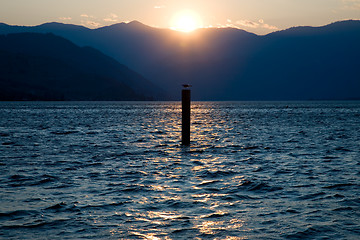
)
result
[(186, 99)]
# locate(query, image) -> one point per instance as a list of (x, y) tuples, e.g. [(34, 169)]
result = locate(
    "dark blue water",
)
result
[(115, 170)]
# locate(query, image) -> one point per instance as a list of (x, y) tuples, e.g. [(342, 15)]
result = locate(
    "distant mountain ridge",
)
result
[(37, 66), (299, 63)]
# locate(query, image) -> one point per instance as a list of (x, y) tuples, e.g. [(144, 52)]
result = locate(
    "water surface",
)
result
[(116, 170)]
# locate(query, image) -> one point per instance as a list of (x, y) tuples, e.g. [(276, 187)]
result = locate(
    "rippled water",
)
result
[(115, 170)]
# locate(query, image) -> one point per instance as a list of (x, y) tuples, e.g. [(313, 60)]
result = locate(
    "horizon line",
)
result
[(174, 30)]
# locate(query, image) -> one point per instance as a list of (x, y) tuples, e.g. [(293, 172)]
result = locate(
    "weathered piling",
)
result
[(186, 106)]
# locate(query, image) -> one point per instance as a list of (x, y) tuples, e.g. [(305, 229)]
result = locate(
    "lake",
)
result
[(117, 170)]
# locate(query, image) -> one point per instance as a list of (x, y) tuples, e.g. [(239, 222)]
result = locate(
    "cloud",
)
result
[(87, 16), (112, 17), (90, 24), (351, 4), (252, 24), (247, 23), (65, 18), (270, 27), (159, 6), (109, 20), (89, 21)]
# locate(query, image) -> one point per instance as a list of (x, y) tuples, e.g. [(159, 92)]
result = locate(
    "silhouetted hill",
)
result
[(47, 67), (299, 63), (306, 63)]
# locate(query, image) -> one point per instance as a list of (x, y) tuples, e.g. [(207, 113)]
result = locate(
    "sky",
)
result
[(257, 16)]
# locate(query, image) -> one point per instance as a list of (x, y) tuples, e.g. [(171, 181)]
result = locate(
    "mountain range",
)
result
[(300, 63), (35, 66)]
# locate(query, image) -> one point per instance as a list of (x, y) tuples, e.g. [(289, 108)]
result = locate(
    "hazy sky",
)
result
[(258, 16)]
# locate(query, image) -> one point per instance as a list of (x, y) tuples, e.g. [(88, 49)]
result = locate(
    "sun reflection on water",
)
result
[(184, 190), (210, 227), (149, 236), (187, 174), (214, 227), (164, 215)]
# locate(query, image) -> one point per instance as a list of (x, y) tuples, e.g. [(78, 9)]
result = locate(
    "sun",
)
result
[(186, 21)]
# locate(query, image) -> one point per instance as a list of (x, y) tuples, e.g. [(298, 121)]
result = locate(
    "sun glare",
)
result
[(186, 21)]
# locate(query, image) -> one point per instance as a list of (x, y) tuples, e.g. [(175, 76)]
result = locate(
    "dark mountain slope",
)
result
[(306, 63), (44, 66)]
